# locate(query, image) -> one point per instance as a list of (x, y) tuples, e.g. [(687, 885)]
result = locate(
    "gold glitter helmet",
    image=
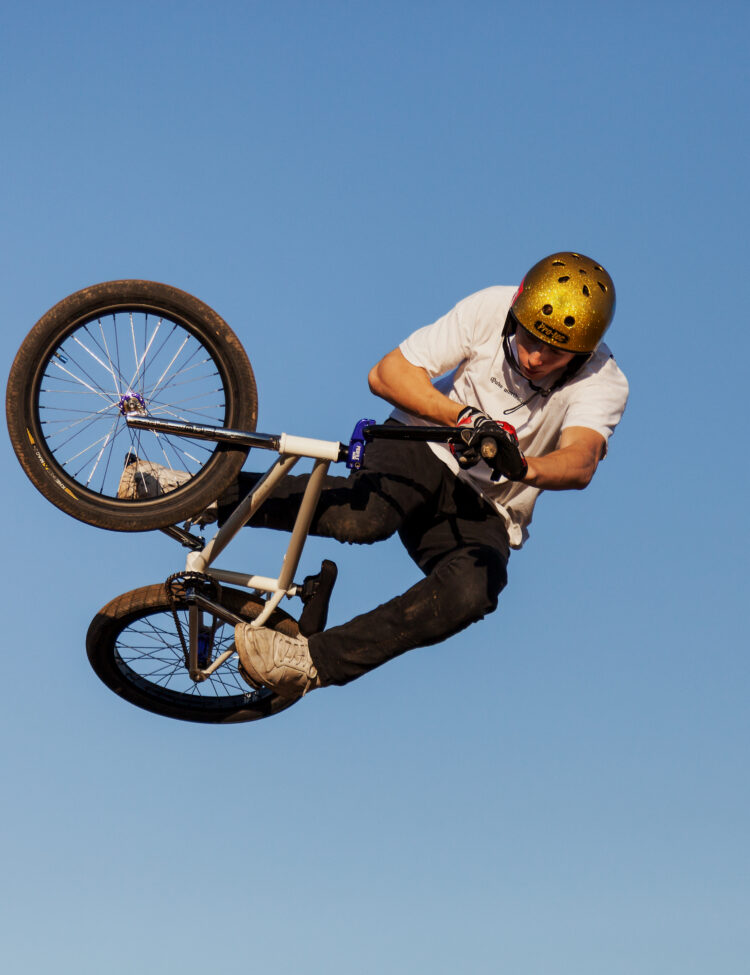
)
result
[(566, 300)]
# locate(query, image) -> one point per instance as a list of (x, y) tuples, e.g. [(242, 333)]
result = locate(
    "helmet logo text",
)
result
[(550, 333)]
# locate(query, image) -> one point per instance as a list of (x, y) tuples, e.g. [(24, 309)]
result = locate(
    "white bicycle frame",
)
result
[(290, 449), (322, 452)]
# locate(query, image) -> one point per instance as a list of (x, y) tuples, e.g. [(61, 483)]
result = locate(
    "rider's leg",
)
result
[(464, 557), (368, 506)]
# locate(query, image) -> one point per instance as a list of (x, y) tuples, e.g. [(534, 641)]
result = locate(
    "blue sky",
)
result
[(561, 788)]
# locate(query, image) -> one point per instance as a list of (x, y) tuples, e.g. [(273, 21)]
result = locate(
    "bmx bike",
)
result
[(142, 372)]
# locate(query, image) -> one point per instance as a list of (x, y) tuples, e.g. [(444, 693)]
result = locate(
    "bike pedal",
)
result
[(316, 595)]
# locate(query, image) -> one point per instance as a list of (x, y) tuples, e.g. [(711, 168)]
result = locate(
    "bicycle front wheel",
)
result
[(113, 349), (135, 649)]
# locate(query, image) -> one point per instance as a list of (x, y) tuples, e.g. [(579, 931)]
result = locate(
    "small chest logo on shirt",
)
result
[(505, 389)]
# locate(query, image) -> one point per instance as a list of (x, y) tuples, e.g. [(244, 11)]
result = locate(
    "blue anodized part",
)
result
[(204, 647), (355, 456)]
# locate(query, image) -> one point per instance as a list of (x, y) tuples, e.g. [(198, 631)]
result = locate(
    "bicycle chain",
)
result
[(176, 588)]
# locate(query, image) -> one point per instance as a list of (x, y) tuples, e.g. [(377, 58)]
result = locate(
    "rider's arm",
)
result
[(571, 465), (407, 386)]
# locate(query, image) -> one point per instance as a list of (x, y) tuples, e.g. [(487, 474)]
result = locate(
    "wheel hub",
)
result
[(132, 402)]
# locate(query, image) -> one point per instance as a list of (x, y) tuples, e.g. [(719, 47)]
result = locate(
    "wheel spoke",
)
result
[(151, 648), (140, 361), (81, 382), (88, 386), (168, 367)]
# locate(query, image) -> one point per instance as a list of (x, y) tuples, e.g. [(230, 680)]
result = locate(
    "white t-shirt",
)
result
[(467, 345)]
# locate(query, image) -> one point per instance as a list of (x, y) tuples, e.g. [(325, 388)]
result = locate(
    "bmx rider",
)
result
[(529, 358)]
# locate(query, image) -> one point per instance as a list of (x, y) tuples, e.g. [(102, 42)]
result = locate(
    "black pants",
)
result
[(456, 539)]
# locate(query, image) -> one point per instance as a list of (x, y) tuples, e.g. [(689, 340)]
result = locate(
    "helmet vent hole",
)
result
[(586, 290), (570, 321), (547, 309), (565, 277), (598, 267), (558, 264), (577, 256), (602, 286), (582, 270)]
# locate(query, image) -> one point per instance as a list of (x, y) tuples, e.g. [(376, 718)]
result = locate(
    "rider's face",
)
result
[(537, 359)]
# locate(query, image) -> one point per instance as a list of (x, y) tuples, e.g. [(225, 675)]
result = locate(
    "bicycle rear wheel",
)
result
[(134, 648), (116, 348)]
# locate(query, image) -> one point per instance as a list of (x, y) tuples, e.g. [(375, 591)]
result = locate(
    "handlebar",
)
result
[(387, 431), (487, 447), (365, 432)]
